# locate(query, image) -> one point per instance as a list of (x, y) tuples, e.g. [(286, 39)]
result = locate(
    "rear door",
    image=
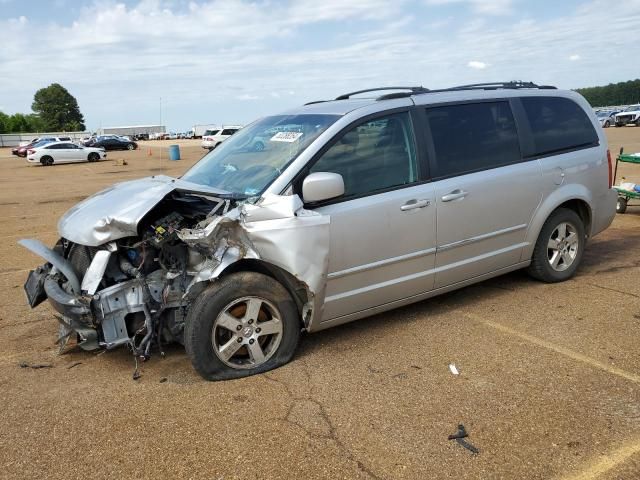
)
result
[(485, 193), (382, 246)]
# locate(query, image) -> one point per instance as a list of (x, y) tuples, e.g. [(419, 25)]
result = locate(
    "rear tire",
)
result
[(621, 206), (221, 338), (46, 161), (559, 247)]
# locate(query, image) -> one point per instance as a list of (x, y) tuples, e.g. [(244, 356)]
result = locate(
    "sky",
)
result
[(184, 62)]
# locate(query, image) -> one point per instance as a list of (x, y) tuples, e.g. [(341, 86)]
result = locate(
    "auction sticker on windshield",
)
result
[(286, 137)]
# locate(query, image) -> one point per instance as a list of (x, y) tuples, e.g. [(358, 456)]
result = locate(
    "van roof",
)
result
[(348, 102)]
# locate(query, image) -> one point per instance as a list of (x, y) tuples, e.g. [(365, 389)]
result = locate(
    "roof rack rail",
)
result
[(315, 101), (514, 84), (412, 90)]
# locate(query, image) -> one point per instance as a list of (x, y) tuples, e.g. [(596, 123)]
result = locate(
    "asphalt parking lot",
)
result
[(548, 384)]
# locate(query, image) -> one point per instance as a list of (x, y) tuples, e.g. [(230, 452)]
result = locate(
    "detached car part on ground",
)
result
[(334, 221)]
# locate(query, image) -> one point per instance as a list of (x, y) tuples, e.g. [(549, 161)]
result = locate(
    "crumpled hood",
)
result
[(115, 212)]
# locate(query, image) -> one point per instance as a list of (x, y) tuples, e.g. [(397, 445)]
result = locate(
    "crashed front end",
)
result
[(133, 258)]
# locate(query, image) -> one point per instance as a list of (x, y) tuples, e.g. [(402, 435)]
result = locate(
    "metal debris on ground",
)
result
[(453, 369), (35, 366), (460, 436), (74, 365)]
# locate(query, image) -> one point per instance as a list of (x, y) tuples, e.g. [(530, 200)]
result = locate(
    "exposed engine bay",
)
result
[(136, 290)]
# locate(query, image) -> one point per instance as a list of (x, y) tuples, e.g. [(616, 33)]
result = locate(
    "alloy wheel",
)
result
[(562, 247), (247, 332)]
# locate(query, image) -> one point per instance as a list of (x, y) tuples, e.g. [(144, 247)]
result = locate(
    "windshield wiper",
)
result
[(233, 195)]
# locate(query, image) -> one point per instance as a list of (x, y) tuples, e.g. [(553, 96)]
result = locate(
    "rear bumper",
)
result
[(604, 211)]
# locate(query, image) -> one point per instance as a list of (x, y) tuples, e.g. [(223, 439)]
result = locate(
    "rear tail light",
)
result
[(610, 169)]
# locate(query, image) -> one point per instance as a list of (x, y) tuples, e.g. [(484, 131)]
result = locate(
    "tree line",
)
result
[(55, 110), (622, 93)]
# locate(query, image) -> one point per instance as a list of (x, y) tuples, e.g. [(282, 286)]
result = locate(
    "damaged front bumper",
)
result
[(75, 311)]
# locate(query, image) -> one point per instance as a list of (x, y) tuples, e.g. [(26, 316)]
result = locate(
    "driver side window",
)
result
[(374, 156)]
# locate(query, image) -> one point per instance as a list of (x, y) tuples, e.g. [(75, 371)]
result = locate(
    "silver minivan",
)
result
[(374, 200)]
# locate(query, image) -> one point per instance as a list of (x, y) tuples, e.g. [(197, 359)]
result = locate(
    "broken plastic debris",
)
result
[(459, 437), (453, 369)]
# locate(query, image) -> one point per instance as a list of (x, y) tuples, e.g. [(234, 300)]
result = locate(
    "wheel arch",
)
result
[(574, 197), (295, 287)]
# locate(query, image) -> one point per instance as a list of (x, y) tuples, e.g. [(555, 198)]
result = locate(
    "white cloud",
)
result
[(487, 7), (205, 57), (477, 65), (574, 57)]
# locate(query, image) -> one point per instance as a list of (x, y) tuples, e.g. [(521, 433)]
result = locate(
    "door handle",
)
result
[(455, 195), (413, 204)]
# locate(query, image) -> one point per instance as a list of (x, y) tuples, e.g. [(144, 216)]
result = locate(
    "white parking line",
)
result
[(606, 463), (556, 348)]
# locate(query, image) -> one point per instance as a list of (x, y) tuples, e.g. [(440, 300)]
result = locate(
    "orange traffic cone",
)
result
[(149, 152)]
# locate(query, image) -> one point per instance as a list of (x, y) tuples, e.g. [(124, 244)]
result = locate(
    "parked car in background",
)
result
[(114, 143), (628, 116), (27, 142), (212, 138), (333, 222), (64, 152), (22, 151), (606, 117)]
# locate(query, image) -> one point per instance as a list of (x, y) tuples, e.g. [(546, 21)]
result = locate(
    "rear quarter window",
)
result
[(558, 124)]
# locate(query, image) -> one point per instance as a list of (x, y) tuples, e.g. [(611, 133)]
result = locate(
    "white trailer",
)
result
[(198, 130), (133, 130)]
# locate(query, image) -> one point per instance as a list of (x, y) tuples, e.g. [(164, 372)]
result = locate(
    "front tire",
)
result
[(93, 157), (559, 247), (607, 124), (243, 324), (131, 146)]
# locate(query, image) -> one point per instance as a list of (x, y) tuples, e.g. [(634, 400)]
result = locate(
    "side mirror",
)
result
[(319, 186)]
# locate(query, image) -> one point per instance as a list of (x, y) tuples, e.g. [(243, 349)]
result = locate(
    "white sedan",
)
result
[(64, 152)]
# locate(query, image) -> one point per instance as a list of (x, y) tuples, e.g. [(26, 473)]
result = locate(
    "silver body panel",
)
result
[(369, 254)]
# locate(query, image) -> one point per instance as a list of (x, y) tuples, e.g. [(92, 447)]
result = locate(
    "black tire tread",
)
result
[(197, 332), (539, 267)]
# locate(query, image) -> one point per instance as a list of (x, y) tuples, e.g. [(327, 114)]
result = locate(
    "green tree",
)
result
[(623, 93), (58, 109), (4, 123), (18, 123)]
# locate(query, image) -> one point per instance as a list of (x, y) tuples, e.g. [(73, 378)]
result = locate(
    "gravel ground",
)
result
[(549, 383)]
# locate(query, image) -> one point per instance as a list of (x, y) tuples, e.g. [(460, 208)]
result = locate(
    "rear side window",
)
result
[(473, 137), (228, 131), (558, 124)]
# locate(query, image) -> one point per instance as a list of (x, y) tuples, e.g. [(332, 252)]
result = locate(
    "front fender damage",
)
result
[(138, 292), (277, 230)]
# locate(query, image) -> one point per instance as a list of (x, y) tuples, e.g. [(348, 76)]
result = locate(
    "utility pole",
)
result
[(162, 132)]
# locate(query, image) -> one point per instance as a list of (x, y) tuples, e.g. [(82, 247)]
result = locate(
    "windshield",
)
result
[(247, 162), (632, 108), (603, 114)]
